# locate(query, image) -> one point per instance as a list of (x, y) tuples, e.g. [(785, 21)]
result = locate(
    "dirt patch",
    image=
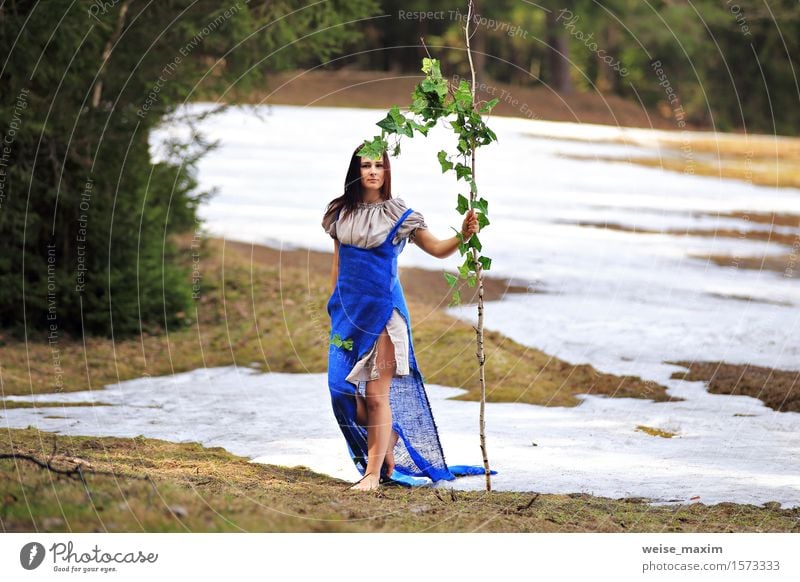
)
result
[(749, 299), (382, 90), (776, 171), (788, 265), (788, 239), (778, 389)]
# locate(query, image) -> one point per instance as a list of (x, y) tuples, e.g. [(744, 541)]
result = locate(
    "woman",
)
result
[(376, 389)]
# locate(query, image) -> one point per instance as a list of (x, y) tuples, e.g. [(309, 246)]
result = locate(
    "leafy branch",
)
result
[(433, 99)]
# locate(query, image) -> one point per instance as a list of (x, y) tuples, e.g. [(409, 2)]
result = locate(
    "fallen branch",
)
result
[(77, 470)]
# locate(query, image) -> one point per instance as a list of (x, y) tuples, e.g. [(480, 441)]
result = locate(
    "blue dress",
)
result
[(367, 291)]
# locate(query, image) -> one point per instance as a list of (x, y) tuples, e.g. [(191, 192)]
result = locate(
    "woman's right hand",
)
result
[(470, 225)]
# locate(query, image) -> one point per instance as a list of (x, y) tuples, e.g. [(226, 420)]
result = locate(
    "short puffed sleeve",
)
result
[(414, 221), (329, 224)]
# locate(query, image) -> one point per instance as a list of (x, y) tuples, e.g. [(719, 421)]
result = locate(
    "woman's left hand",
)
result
[(470, 225)]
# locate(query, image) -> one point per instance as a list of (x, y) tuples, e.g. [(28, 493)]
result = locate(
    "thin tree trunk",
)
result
[(479, 275), (98, 88), (479, 59)]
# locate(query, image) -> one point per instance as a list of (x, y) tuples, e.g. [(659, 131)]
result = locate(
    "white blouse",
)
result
[(369, 224)]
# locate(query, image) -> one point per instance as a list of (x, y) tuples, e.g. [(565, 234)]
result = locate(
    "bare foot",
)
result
[(368, 482)]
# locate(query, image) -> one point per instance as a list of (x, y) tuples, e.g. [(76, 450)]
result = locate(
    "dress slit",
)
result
[(367, 362)]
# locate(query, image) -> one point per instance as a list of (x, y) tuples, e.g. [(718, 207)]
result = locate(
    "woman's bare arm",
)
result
[(442, 249), (434, 246), (335, 265)]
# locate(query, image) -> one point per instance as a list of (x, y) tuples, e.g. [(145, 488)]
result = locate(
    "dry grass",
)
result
[(778, 389), (159, 486), (781, 170)]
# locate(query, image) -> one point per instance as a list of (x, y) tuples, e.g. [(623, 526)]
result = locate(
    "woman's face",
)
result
[(371, 174)]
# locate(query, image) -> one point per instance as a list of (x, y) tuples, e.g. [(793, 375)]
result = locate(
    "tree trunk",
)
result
[(558, 51)]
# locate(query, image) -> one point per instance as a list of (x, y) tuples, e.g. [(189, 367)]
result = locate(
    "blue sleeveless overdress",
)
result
[(367, 291)]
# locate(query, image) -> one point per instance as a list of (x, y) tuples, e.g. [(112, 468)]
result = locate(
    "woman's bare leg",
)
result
[(379, 413), (361, 410), (362, 419), (390, 453)]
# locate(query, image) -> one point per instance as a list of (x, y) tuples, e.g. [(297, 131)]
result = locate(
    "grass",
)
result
[(157, 486), (655, 431), (761, 160)]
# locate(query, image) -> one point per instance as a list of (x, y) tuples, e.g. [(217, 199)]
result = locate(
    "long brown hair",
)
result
[(353, 190)]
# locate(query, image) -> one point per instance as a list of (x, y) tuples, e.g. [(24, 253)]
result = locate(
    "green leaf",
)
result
[(374, 149), (422, 128), (475, 243), (483, 220), (488, 106), (471, 280), (482, 204), (463, 204), (464, 269), (456, 298), (470, 262), (463, 95), (388, 124), (419, 102), (398, 117), (451, 279), (462, 171), (446, 164), (485, 262), (396, 151), (344, 344)]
